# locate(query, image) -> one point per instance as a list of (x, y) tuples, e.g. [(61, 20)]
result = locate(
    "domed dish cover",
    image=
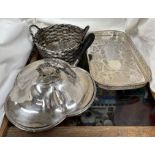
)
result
[(46, 92)]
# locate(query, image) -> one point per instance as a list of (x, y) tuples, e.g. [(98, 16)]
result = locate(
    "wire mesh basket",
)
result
[(60, 41)]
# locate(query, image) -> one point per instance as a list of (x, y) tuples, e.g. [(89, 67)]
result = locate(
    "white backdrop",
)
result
[(16, 44)]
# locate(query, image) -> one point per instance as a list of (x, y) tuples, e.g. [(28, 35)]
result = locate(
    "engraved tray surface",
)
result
[(115, 63)]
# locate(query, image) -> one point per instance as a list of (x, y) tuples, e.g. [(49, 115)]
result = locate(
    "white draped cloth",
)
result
[(16, 44), (15, 47)]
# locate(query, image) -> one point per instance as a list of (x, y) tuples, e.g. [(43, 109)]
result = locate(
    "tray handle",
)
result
[(33, 30), (85, 30)]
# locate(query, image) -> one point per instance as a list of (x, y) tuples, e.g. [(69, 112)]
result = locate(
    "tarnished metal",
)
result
[(115, 63), (61, 41)]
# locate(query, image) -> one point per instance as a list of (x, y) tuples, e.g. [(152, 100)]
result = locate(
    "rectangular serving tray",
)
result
[(115, 63)]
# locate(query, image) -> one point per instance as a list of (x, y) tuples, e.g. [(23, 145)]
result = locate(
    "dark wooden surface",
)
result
[(87, 131), (4, 127)]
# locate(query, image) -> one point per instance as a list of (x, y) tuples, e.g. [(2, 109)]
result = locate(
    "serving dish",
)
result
[(115, 63), (46, 92)]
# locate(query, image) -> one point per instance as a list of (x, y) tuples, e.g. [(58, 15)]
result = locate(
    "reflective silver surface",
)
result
[(46, 92), (89, 92)]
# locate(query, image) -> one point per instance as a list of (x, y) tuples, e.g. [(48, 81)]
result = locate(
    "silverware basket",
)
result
[(60, 41)]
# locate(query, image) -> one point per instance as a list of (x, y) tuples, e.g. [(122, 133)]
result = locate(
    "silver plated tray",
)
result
[(115, 63)]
